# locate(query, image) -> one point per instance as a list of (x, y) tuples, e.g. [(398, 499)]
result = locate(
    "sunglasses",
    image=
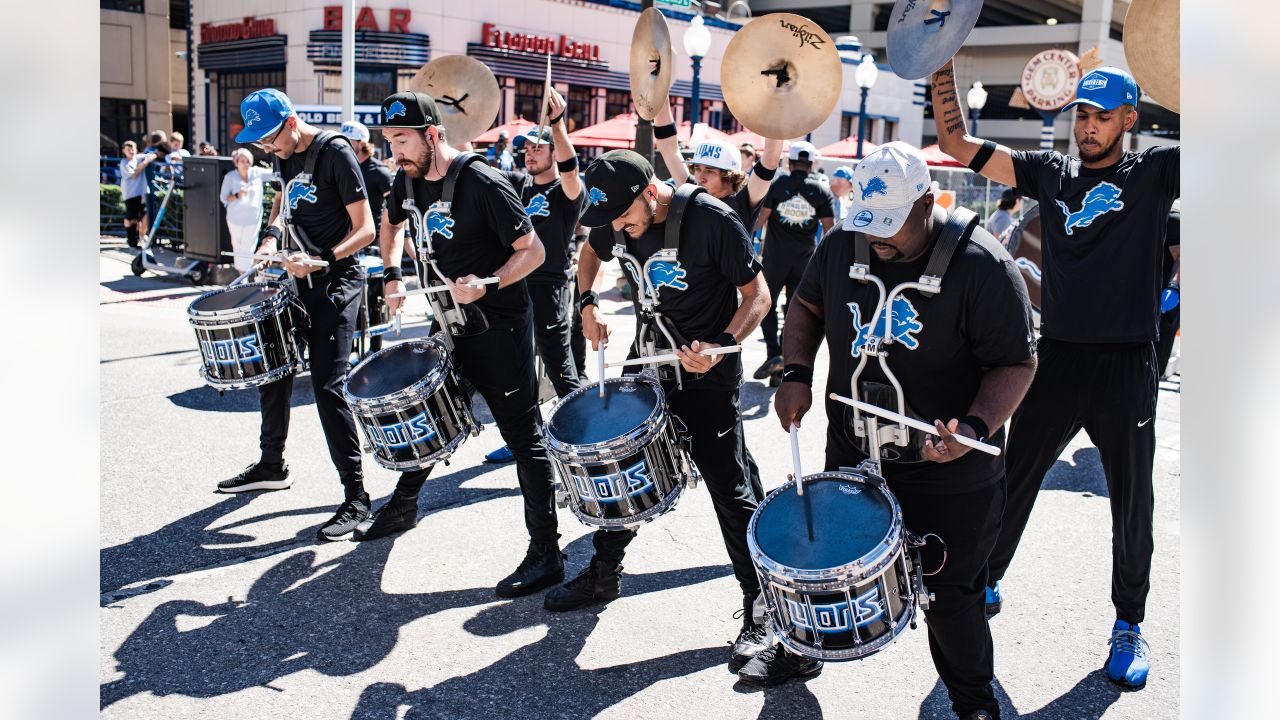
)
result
[(269, 145)]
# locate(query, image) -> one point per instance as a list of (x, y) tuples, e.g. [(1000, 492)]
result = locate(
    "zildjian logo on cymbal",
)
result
[(806, 36)]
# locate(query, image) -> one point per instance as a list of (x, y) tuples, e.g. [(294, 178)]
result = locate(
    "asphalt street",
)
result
[(223, 606)]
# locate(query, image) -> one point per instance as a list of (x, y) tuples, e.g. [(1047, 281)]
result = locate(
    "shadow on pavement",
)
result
[(754, 399), (204, 397), (1089, 699), (1083, 474)]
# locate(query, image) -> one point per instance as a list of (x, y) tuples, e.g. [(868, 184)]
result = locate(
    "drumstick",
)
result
[(445, 288), (795, 466), (399, 316), (672, 357), (912, 422), (600, 367), (278, 257)]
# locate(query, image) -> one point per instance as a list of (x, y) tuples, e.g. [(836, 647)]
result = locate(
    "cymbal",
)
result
[(652, 63), (781, 75), (466, 92), (1151, 46), (924, 34)]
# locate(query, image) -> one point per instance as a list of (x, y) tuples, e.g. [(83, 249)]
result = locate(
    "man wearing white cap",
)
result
[(964, 357), (377, 177)]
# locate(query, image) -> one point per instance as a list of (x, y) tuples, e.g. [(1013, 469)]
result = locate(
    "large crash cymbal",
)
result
[(781, 75), (924, 34), (652, 63), (1151, 46), (466, 92)]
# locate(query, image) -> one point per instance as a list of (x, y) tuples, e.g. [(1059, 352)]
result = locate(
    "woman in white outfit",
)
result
[(242, 194)]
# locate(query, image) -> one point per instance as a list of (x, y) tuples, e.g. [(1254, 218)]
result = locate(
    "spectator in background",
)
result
[(133, 185), (842, 188), (499, 154), (748, 156), (207, 150), (242, 194), (1001, 222), (377, 178), (176, 150), (156, 152)]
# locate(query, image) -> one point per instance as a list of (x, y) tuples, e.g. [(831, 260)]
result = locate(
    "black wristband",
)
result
[(588, 297), (725, 339), (662, 132), (763, 172), (984, 153), (978, 424), (328, 256), (270, 231), (798, 373), (395, 272), (569, 165), (556, 119)]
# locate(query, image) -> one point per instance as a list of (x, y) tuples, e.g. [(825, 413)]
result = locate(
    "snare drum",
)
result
[(246, 335), (850, 591), (619, 459), (409, 403)]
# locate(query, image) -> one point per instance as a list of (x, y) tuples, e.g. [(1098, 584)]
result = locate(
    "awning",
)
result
[(265, 53), (512, 129), (935, 157), (847, 148), (620, 132), (373, 47)]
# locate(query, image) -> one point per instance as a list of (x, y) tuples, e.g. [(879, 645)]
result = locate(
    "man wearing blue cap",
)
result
[(330, 217), (1103, 219), (842, 189)]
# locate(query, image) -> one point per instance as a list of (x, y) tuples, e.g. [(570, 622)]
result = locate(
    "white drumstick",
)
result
[(600, 367), (445, 288), (795, 459), (399, 317), (672, 357), (912, 422), (278, 257)]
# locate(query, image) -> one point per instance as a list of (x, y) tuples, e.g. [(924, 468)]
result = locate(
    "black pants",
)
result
[(1169, 324), (781, 269), (499, 362), (552, 332), (1110, 392), (728, 472), (332, 303), (578, 343), (968, 523)]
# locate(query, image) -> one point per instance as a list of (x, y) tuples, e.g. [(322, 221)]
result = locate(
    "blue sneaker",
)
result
[(1127, 664), (993, 599), (499, 456)]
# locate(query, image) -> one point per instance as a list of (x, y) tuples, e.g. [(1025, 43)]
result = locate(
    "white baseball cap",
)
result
[(718, 154), (353, 130), (811, 152), (886, 184)]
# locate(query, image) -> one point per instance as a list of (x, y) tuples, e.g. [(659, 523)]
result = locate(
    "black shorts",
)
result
[(133, 208)]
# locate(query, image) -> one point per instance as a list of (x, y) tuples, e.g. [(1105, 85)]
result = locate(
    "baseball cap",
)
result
[(803, 148), (531, 135), (718, 154), (614, 180), (886, 183), (263, 111), (1106, 88), (409, 109), (353, 130), (844, 171)]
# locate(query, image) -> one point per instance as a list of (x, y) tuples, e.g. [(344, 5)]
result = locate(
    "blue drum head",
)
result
[(236, 297), (850, 518), (393, 369), (584, 418)]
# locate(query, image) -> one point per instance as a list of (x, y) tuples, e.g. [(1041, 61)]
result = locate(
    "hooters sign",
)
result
[(1049, 79)]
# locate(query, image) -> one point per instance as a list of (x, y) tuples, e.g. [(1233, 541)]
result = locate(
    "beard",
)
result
[(637, 231), (418, 168), (896, 256), (1090, 155), (534, 167)]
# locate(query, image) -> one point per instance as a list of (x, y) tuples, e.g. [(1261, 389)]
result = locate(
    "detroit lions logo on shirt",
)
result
[(438, 224), (1029, 266), (395, 109), (669, 274), (595, 196), (874, 186), (1100, 200), (905, 324), (796, 211), (299, 192), (538, 206), (251, 117)]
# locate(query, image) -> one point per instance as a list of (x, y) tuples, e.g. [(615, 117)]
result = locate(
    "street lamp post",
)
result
[(697, 43), (977, 98), (865, 75)]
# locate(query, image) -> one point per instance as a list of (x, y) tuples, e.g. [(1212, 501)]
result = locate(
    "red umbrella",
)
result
[(847, 148), (620, 132), (512, 128), (757, 141), (934, 156)]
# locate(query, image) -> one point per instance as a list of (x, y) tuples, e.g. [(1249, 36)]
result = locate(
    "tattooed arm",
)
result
[(953, 139)]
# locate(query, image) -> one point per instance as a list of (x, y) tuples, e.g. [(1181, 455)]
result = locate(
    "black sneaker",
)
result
[(979, 715), (351, 513), (770, 367), (599, 583), (752, 639), (775, 665), (258, 476), (396, 515), (543, 566)]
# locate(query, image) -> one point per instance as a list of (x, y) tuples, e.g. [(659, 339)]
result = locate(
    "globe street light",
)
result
[(697, 43), (977, 98), (865, 76)]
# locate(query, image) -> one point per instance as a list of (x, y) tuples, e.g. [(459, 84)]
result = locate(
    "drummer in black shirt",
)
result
[(964, 357), (1102, 229), (377, 177), (698, 296), (486, 234), (332, 215)]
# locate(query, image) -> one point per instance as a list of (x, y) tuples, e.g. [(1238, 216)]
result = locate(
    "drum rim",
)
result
[(868, 565), (392, 402), (241, 314), (645, 431)]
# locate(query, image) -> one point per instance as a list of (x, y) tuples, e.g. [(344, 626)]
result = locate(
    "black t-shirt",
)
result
[(981, 319), (485, 220), (797, 201), (1102, 235), (699, 292), (377, 181), (555, 217), (320, 208), (1172, 236)]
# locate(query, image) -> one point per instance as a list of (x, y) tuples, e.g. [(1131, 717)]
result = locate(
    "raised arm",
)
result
[(954, 140), (570, 181), (757, 186), (670, 147)]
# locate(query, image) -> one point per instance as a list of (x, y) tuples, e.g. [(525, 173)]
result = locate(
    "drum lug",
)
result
[(562, 496)]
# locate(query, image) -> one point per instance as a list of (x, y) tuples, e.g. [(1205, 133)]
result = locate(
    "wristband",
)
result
[(271, 231), (556, 119), (725, 339), (763, 172), (662, 132), (979, 426), (588, 298), (980, 158), (392, 273), (798, 373), (569, 165), (328, 256)]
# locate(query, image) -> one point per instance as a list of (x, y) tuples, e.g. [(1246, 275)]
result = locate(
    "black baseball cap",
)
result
[(409, 109), (614, 180)]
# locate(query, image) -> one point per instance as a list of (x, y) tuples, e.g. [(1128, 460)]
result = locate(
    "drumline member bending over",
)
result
[(698, 296), (487, 233), (965, 354), (1102, 228), (330, 213)]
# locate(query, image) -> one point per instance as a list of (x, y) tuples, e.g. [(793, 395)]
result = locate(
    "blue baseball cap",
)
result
[(1106, 88), (264, 111), (531, 136), (844, 171)]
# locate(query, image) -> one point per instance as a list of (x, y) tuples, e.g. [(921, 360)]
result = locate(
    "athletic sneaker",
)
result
[(752, 640), (351, 513), (776, 665), (770, 367), (1127, 663), (994, 601), (600, 583), (499, 456), (258, 476)]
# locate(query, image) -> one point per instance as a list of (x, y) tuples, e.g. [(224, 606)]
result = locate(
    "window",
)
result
[(232, 88), (578, 114), (125, 5), (528, 97), (121, 120), (848, 124), (728, 123), (890, 131), (178, 10), (374, 84), (617, 102)]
